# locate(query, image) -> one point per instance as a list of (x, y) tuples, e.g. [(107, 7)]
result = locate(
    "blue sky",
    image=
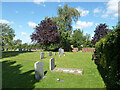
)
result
[(23, 16)]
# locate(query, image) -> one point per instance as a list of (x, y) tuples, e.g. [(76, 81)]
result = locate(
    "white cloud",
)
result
[(104, 16), (32, 24), (82, 12), (23, 33), (97, 10), (38, 1), (59, 5), (82, 25), (112, 6), (6, 22)]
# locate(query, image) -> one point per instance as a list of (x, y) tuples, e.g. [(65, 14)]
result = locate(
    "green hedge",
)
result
[(108, 57)]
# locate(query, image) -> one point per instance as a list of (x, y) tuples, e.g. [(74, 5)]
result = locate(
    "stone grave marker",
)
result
[(61, 51), (50, 53), (39, 70), (55, 54), (42, 55), (52, 63)]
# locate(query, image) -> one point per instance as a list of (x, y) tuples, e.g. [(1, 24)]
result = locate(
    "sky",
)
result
[(24, 16)]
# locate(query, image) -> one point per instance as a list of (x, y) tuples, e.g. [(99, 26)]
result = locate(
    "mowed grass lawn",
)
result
[(18, 71)]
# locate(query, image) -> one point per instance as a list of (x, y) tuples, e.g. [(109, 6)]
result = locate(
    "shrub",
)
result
[(108, 57)]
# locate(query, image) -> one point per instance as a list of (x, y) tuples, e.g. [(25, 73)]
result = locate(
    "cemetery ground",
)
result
[(18, 70)]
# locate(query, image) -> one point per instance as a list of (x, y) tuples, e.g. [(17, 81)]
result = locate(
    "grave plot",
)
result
[(65, 70), (68, 70)]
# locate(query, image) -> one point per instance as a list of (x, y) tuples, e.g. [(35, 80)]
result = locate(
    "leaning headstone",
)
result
[(39, 70), (50, 53), (42, 55), (52, 63)]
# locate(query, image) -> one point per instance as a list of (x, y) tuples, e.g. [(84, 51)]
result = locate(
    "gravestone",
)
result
[(39, 70), (42, 55), (52, 63), (50, 53), (61, 51), (55, 54)]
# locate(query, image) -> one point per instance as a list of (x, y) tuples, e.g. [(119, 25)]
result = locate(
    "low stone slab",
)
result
[(68, 70)]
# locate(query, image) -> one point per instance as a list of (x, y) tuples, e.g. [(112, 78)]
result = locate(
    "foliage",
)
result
[(46, 33), (108, 57), (64, 23), (100, 32), (78, 38), (7, 34)]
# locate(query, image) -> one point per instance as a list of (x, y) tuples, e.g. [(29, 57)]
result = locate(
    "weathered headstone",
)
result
[(42, 55), (50, 53), (61, 51), (39, 70), (55, 54), (52, 63)]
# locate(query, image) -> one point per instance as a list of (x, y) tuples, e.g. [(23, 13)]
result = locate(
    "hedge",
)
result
[(107, 58)]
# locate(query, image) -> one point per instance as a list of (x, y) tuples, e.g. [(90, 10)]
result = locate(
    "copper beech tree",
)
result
[(100, 32), (46, 33)]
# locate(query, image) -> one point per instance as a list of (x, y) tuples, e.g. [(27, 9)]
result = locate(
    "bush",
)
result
[(108, 57)]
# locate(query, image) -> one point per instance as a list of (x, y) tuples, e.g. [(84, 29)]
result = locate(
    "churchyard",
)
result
[(67, 70)]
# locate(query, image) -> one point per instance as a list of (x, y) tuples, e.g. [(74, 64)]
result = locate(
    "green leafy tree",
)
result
[(64, 23), (7, 34), (78, 38)]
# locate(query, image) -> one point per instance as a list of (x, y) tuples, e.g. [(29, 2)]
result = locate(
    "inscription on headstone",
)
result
[(52, 63), (50, 53), (42, 55), (39, 70)]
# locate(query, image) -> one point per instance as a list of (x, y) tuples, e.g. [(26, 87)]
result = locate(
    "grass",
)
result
[(18, 71)]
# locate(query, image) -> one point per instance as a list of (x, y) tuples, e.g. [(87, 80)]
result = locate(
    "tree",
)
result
[(64, 23), (7, 34), (46, 33), (78, 38), (100, 32)]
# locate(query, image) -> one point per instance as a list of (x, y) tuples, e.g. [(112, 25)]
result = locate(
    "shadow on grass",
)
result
[(108, 78), (13, 78), (6, 54)]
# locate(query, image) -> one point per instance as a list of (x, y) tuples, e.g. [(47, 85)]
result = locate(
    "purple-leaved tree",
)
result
[(46, 33)]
